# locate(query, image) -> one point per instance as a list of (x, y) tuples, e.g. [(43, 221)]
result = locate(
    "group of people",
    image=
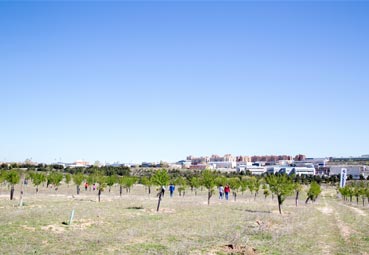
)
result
[(86, 186), (224, 191), (171, 189)]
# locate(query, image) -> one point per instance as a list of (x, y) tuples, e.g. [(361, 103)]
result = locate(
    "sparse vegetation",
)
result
[(130, 224), (208, 181), (12, 177)]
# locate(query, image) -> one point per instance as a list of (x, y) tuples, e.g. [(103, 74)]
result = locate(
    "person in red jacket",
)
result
[(227, 189)]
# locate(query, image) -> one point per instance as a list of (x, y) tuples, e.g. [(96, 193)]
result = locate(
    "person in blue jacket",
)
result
[(171, 189)]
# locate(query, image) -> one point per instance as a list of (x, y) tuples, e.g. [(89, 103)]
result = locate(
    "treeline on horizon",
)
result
[(148, 172)]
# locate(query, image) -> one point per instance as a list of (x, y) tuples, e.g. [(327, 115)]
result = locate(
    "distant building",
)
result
[(317, 162), (243, 159), (222, 164), (349, 160), (185, 163), (354, 170), (198, 160), (300, 157), (199, 167), (270, 158), (225, 158)]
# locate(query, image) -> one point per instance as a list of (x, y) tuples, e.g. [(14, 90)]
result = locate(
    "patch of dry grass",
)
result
[(184, 225)]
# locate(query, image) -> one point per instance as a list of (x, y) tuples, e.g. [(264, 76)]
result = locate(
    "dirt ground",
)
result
[(184, 225)]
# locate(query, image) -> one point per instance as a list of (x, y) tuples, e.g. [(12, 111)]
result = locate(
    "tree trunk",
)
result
[(109, 188), (279, 204), (196, 193), (159, 200), (78, 189), (11, 192), (307, 200), (120, 190), (209, 196), (235, 196), (149, 190), (99, 194), (357, 200), (36, 190), (363, 201), (297, 198), (21, 194)]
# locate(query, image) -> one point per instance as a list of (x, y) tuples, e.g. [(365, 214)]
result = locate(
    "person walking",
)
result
[(171, 189), (221, 192), (227, 189), (163, 190)]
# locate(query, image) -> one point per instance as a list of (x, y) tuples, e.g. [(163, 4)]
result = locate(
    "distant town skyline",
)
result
[(134, 81), (195, 159)]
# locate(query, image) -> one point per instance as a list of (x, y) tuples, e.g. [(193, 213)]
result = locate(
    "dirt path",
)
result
[(356, 210), (326, 245)]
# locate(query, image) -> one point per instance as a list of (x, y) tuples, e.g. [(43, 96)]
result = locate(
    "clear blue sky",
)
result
[(150, 81)]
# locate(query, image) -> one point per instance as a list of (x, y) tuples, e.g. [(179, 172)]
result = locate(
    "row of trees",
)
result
[(280, 186), (358, 189), (103, 170)]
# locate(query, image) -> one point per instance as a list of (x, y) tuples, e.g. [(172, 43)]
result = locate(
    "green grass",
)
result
[(184, 225)]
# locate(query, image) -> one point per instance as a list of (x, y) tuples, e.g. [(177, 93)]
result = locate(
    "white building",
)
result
[(222, 164), (353, 170)]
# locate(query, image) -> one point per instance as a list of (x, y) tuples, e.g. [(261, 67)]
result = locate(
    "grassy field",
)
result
[(184, 225)]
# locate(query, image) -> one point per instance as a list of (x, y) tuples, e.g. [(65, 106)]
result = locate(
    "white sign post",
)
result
[(343, 177)]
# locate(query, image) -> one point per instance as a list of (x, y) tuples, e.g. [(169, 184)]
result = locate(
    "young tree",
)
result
[(78, 179), (350, 192), (297, 188), (101, 181), (251, 184), (182, 185), (280, 185), (265, 191), (366, 190), (363, 191), (234, 184), (257, 184), (37, 179), (344, 191), (147, 183), (161, 179), (55, 178), (111, 180), (129, 182), (244, 185), (313, 192), (12, 177), (358, 191), (121, 182), (208, 181), (2, 174), (68, 178), (195, 183)]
